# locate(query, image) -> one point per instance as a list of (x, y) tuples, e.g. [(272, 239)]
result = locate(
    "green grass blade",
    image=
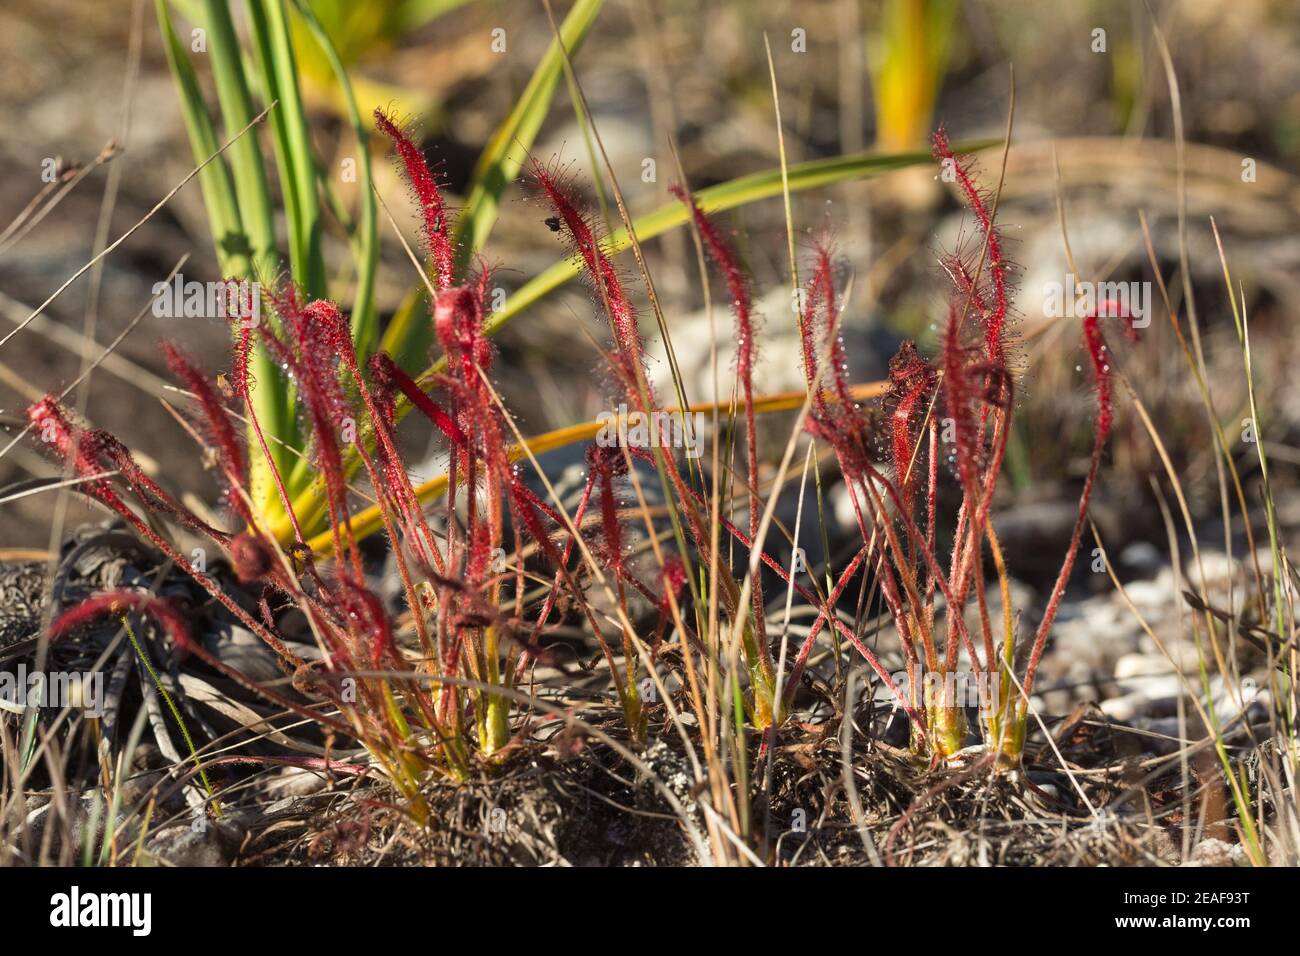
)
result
[(214, 179), (913, 42), (365, 238), (294, 162), (504, 155), (175, 712), (271, 401), (228, 199), (297, 173), (312, 275), (416, 13), (237, 111), (120, 777)]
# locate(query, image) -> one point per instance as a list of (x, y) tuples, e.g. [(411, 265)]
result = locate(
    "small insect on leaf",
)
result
[(552, 223)]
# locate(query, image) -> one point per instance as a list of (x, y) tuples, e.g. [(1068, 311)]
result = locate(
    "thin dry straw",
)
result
[(108, 350), (126, 235)]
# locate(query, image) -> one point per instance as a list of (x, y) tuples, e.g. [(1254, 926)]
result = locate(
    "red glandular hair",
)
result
[(912, 382), (583, 235), (121, 602), (95, 451), (230, 453), (993, 311), (433, 209), (836, 416)]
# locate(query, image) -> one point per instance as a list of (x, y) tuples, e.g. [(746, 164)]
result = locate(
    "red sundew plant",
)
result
[(724, 258), (584, 237), (440, 697), (428, 196), (972, 388), (448, 697)]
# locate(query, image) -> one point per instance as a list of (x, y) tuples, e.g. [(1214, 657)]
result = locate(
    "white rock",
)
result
[(1212, 852), (1083, 681), (1149, 596), (1218, 569), (1050, 791), (1123, 708), (1134, 668), (185, 846), (1142, 666), (1141, 554)]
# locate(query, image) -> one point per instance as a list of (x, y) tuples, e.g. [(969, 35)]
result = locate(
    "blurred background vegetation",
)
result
[(1093, 126)]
